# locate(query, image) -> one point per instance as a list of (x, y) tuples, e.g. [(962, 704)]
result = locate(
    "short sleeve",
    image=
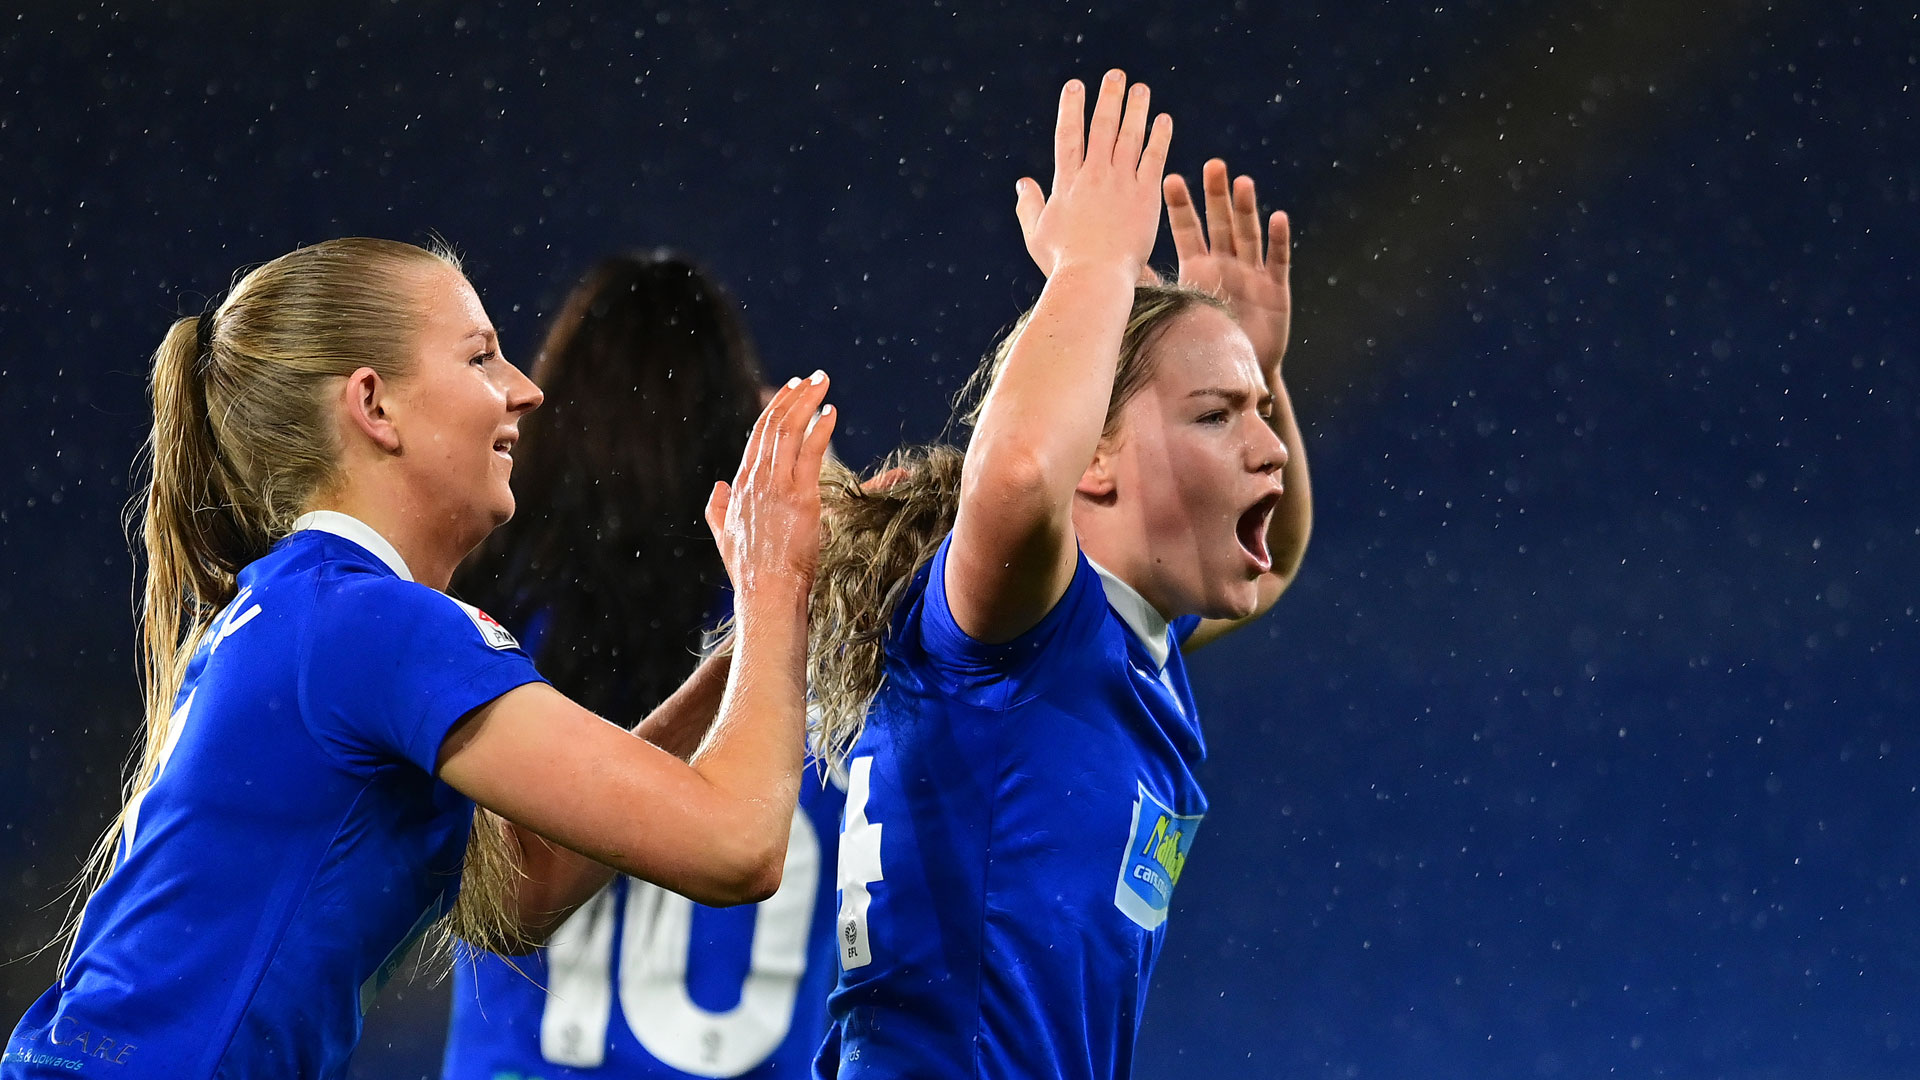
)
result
[(393, 665), (1015, 667)]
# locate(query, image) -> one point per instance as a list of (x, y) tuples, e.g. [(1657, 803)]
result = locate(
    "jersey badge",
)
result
[(1150, 867), (490, 629)]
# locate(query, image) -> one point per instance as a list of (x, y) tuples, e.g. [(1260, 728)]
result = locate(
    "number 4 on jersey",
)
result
[(859, 867)]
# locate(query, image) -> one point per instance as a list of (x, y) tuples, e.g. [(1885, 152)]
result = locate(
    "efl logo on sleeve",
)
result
[(490, 629), (1151, 865)]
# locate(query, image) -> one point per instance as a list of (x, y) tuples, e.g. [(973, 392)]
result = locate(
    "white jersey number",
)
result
[(653, 975), (859, 867)]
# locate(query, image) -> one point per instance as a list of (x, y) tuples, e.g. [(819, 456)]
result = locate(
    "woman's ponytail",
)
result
[(192, 528), (874, 538), (191, 549)]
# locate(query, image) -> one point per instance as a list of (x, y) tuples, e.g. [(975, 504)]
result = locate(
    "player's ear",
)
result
[(364, 401), (1097, 481)]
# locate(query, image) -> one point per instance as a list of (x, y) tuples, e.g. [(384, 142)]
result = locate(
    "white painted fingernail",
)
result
[(816, 376), (826, 410), (793, 382)]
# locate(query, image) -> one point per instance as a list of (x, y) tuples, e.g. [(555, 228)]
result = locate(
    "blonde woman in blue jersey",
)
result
[(998, 637), (328, 444)]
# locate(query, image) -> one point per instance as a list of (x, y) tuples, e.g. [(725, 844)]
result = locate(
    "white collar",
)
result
[(1141, 617), (348, 527)]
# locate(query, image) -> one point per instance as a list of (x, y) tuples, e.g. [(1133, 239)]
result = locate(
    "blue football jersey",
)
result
[(295, 841), (1017, 817), (642, 982)]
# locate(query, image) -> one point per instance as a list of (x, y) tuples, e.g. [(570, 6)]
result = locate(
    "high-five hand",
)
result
[(1225, 258), (1105, 202), (767, 522)]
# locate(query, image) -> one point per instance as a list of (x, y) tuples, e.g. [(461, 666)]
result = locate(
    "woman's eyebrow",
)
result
[(1234, 397), (1231, 396)]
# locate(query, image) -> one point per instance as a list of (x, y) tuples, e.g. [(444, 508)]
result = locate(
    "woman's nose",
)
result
[(525, 395), (1270, 454)]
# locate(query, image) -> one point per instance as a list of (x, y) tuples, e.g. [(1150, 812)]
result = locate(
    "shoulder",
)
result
[(354, 607), (1074, 623), (392, 665)]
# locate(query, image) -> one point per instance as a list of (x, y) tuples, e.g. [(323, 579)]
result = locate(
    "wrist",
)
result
[(1123, 271), (770, 593)]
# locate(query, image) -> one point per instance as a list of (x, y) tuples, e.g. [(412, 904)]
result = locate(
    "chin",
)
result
[(1238, 602), (503, 509)]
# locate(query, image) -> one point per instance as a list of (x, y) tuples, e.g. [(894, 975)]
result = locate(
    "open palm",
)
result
[(1232, 265)]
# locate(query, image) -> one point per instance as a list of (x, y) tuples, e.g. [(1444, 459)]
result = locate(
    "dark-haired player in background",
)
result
[(651, 383)]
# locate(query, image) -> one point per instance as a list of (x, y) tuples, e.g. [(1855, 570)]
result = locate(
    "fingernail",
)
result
[(793, 382), (1074, 84), (826, 410), (816, 376)]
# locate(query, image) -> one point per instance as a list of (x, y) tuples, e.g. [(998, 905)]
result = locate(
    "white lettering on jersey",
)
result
[(859, 867), (238, 615), (491, 631), (175, 725)]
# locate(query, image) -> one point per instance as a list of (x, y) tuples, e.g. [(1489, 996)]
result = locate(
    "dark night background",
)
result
[(1584, 745)]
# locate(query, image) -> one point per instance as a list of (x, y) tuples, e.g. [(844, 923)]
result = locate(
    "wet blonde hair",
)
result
[(241, 444), (873, 541)]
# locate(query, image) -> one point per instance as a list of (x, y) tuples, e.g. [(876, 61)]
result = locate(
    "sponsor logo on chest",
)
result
[(1156, 853)]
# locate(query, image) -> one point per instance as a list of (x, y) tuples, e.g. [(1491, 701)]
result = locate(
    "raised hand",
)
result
[(767, 522), (1105, 204), (1225, 258)]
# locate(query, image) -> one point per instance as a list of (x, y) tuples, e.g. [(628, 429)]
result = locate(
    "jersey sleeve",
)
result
[(1014, 669), (393, 665)]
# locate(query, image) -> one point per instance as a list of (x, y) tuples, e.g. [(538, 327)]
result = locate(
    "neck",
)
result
[(429, 547), (1117, 543)]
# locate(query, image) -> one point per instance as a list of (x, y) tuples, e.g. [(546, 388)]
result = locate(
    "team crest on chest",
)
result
[(1150, 867), (490, 629)]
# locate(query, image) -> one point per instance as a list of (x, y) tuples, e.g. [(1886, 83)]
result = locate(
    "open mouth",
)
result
[(1252, 531), (503, 447)]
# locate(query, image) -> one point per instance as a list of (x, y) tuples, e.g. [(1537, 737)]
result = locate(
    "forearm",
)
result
[(740, 723), (1292, 520), (753, 753), (1042, 421), (554, 881)]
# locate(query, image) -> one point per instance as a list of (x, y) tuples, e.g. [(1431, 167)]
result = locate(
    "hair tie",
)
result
[(204, 333)]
